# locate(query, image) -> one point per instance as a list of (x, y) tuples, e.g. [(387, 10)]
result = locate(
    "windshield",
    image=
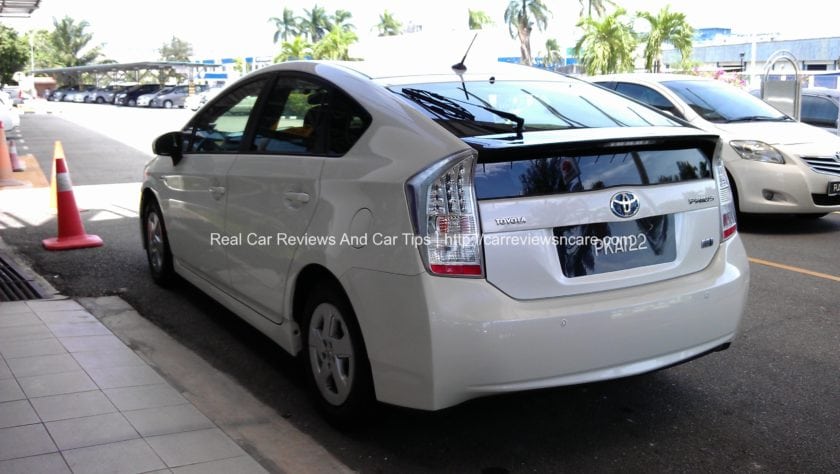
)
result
[(721, 103), (494, 107)]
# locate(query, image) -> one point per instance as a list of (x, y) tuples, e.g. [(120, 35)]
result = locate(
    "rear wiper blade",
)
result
[(432, 98), (438, 104), (758, 118)]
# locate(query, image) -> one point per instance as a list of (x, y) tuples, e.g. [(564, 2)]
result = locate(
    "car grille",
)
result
[(826, 200), (823, 164)]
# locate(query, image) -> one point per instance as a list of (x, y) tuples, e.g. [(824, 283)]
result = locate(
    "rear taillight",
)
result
[(445, 217), (728, 222)]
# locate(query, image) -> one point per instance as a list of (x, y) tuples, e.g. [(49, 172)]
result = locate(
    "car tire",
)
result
[(156, 238), (132, 103), (100, 100), (335, 359), (167, 104)]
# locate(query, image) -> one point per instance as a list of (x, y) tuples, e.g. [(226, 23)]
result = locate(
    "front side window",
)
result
[(646, 95), (221, 127), (819, 111)]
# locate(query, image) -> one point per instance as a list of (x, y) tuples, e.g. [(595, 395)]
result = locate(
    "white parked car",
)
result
[(8, 114), (195, 101), (422, 241), (776, 164)]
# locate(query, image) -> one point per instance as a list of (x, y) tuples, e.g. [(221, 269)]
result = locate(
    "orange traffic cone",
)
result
[(17, 165), (71, 231), (58, 152), (6, 177)]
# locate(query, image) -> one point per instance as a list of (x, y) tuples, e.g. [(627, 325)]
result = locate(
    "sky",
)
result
[(241, 27)]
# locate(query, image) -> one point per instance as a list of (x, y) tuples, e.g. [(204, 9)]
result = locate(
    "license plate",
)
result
[(592, 249), (834, 188)]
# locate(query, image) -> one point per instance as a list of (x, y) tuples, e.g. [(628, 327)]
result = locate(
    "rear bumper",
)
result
[(436, 342)]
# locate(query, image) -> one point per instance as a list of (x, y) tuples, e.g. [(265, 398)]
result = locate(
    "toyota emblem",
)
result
[(624, 204)]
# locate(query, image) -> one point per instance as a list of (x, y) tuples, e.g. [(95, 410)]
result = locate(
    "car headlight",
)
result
[(757, 151)]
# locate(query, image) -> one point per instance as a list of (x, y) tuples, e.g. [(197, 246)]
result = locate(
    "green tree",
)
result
[(70, 43), (298, 48), (665, 27), (552, 53), (607, 45), (316, 23), (521, 16), (287, 26), (599, 6), (176, 50), (478, 19), (388, 24), (334, 45), (14, 54), (341, 19), (41, 40)]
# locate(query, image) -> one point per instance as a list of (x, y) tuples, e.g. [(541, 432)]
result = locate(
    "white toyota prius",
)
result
[(423, 237)]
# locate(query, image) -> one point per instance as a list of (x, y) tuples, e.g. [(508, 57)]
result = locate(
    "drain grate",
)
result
[(13, 285)]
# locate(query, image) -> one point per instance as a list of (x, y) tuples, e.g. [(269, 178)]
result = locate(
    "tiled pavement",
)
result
[(74, 398)]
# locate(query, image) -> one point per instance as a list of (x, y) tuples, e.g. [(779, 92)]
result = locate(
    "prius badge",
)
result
[(624, 204)]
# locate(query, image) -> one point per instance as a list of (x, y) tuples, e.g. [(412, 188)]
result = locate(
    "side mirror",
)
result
[(169, 144)]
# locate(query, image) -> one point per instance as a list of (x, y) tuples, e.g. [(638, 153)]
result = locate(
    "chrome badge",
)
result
[(624, 204), (509, 220)]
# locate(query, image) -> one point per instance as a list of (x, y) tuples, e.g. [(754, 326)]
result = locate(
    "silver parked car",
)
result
[(175, 97)]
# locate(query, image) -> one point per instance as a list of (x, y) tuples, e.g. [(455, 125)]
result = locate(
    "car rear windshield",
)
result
[(492, 107), (720, 102), (560, 174)]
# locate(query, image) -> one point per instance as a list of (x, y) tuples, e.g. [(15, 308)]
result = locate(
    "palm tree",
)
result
[(552, 53), (335, 44), (520, 17), (600, 7), (69, 39), (607, 45), (298, 48), (478, 19), (340, 19), (665, 27), (388, 24), (316, 23), (287, 26)]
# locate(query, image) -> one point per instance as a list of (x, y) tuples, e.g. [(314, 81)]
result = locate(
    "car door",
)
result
[(274, 190), (197, 186)]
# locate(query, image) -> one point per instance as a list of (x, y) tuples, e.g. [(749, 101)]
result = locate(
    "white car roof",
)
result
[(400, 72), (647, 77)]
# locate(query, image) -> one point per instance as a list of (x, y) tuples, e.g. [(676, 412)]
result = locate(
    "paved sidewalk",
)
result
[(75, 398)]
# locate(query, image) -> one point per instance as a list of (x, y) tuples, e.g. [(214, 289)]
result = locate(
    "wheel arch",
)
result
[(308, 278), (146, 197)]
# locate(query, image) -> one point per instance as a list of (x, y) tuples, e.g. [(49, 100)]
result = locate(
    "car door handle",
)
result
[(217, 191), (299, 197)]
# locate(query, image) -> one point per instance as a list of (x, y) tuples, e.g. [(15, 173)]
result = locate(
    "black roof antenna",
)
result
[(460, 67)]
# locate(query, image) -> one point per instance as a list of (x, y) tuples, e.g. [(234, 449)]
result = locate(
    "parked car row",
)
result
[(141, 95)]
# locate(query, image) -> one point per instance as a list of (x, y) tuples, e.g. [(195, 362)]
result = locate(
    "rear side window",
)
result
[(302, 116), (221, 126), (566, 174)]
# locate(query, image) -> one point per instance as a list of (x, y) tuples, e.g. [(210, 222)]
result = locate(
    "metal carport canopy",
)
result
[(18, 8), (115, 67)]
